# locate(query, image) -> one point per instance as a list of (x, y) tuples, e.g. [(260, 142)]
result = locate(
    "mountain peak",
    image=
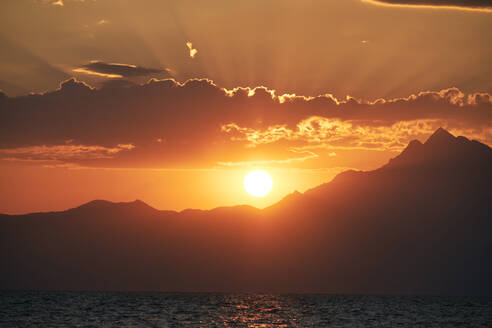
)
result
[(440, 137), (442, 149), (99, 204)]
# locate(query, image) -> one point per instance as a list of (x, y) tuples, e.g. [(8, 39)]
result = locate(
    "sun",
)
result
[(258, 183)]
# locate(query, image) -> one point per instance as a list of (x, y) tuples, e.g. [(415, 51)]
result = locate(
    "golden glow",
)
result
[(193, 51), (267, 91), (86, 71), (258, 183)]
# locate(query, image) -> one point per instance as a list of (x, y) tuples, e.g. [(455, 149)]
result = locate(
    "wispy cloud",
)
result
[(64, 152), (319, 132), (118, 70), (472, 5), (61, 3), (307, 155), (90, 72)]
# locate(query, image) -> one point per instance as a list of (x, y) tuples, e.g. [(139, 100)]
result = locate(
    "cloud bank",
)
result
[(168, 124)]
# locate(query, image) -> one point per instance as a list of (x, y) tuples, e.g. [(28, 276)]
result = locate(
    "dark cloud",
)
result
[(117, 83), (478, 4), (119, 70), (164, 123)]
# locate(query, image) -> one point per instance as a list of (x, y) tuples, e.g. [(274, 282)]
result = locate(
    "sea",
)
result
[(121, 309)]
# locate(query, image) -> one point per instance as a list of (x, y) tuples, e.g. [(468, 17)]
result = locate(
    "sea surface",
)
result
[(102, 309)]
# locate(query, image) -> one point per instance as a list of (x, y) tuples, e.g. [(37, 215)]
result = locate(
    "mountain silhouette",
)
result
[(421, 224)]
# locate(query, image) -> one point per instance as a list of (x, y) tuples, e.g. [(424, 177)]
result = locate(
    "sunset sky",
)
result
[(174, 102)]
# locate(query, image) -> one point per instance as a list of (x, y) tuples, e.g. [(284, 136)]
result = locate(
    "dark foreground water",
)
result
[(87, 309)]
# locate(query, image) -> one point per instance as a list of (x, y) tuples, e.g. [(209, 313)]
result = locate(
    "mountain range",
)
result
[(421, 224)]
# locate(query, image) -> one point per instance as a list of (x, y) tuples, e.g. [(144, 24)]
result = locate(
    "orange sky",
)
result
[(302, 89)]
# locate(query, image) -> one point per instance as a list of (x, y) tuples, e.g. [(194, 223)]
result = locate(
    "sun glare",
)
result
[(258, 183)]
